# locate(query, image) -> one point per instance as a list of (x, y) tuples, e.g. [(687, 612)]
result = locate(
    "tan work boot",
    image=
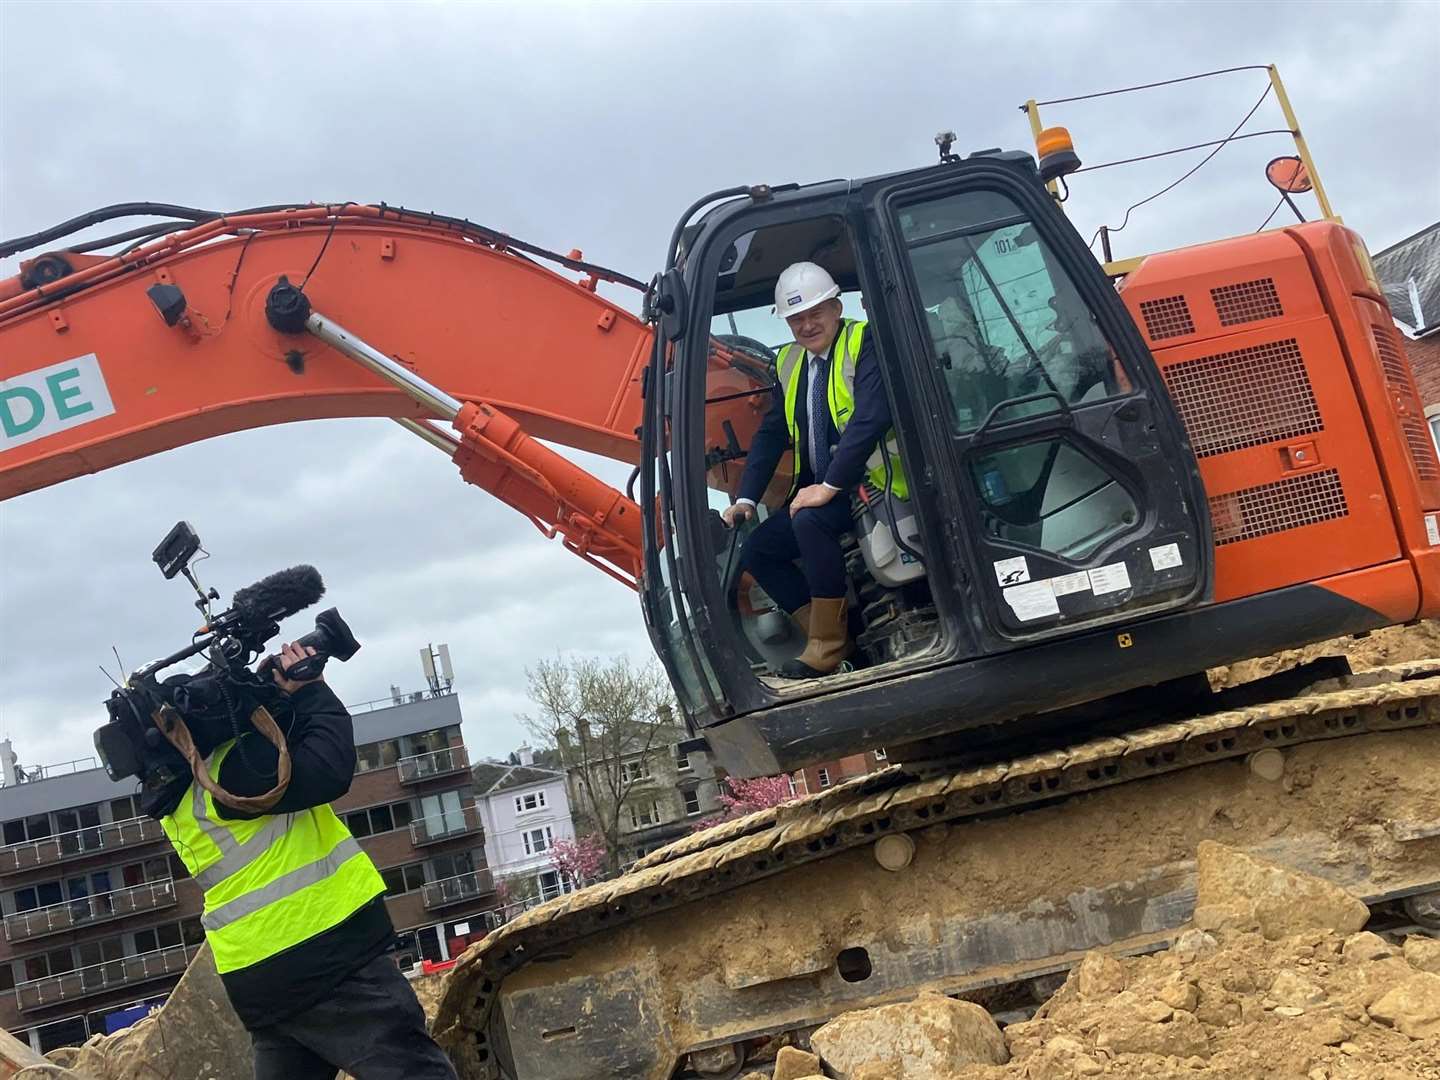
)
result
[(829, 643), (801, 618)]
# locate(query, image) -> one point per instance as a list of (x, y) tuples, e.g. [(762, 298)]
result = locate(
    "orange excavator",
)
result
[(1111, 490)]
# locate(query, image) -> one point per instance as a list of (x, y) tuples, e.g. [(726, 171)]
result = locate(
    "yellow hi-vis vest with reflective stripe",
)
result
[(841, 396), (270, 882)]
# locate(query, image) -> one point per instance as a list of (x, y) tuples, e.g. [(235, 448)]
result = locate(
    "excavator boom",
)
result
[(105, 360)]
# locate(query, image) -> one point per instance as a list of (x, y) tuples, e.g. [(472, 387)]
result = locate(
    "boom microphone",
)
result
[(280, 594)]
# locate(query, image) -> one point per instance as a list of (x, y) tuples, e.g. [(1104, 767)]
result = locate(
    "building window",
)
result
[(448, 866), (37, 896), (692, 801), (380, 819), (538, 840), (1435, 429), (124, 809), (374, 820), (7, 976), (880, 754), (550, 885), (400, 880), (682, 759), (157, 937), (376, 755), (790, 780), (824, 775), (643, 815), (631, 771), (534, 800), (443, 813)]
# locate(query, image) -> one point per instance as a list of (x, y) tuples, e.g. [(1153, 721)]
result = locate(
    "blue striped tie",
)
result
[(819, 418)]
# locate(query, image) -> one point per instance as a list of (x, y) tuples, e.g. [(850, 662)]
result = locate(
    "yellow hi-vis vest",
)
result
[(841, 396), (270, 882)]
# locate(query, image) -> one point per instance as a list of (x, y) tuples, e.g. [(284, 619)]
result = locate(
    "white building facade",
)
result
[(525, 810)]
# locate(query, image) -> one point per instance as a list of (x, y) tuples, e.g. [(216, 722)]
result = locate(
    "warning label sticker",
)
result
[(1033, 600), (1108, 579), (1166, 556), (1066, 584), (1012, 571), (1432, 529)]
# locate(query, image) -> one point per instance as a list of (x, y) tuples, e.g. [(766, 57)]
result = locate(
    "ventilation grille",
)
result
[(1422, 447), (1396, 374), (1270, 508), (1167, 318), (1249, 301), (1402, 387), (1244, 398)]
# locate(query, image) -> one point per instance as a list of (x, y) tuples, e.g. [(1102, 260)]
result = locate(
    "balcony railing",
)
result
[(438, 827), (150, 896), (78, 843), (451, 759), (96, 979), (457, 889)]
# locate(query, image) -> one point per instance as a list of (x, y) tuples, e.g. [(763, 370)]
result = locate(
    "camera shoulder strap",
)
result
[(172, 726)]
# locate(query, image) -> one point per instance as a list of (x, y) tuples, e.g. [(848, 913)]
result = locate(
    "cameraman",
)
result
[(294, 909)]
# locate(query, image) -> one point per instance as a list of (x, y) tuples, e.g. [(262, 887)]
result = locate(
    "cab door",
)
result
[(1073, 496)]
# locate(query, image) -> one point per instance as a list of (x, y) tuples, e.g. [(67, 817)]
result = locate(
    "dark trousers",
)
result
[(371, 1026), (813, 537)]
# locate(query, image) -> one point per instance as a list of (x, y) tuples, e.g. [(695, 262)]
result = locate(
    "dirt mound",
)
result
[(1312, 1001), (1314, 1006), (1392, 645)]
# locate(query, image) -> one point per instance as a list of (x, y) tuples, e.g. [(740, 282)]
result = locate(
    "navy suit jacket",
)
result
[(867, 426)]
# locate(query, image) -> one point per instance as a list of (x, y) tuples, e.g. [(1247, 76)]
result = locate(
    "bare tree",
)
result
[(604, 719)]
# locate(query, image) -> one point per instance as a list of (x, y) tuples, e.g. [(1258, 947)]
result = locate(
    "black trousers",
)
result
[(812, 536), (371, 1026)]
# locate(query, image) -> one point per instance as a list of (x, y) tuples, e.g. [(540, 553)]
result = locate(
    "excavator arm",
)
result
[(105, 359)]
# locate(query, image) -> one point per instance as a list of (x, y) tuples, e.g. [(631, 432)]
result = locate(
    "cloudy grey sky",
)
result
[(586, 126)]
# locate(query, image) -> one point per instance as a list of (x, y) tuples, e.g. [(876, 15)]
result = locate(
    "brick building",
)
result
[(98, 912), (1409, 272), (100, 915), (815, 778), (412, 807)]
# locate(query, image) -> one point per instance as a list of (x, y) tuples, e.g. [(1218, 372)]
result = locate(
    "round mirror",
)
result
[(1289, 175)]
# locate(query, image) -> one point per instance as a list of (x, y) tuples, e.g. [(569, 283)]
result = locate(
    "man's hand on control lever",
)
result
[(289, 656), (737, 513)]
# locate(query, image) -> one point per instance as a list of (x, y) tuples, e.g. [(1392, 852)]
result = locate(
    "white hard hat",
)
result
[(802, 286)]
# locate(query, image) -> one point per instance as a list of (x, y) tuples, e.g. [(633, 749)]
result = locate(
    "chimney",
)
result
[(527, 755)]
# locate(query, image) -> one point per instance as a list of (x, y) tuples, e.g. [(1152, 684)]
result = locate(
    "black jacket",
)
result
[(322, 755), (867, 426)]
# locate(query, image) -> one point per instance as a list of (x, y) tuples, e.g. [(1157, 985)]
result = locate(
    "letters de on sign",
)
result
[(50, 399)]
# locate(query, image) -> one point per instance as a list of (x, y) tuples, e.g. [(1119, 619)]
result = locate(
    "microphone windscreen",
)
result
[(281, 594)]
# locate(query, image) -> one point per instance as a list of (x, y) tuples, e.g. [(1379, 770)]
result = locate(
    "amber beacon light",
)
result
[(1057, 153)]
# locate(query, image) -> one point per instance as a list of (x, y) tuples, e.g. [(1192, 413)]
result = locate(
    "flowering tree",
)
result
[(740, 797), (579, 861)]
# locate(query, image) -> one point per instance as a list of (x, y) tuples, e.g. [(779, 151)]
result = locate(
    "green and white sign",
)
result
[(51, 399)]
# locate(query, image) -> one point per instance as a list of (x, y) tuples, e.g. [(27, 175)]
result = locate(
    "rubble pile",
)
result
[(1274, 980)]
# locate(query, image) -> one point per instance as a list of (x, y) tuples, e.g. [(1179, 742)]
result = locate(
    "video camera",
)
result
[(216, 703)]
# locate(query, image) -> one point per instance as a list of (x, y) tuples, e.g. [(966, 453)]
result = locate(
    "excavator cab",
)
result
[(1051, 489)]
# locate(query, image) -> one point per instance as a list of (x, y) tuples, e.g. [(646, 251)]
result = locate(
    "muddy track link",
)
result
[(852, 815)]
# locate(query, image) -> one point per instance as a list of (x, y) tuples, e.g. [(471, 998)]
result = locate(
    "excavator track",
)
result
[(855, 815)]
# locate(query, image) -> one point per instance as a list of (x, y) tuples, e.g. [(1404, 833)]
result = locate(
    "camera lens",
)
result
[(331, 636)]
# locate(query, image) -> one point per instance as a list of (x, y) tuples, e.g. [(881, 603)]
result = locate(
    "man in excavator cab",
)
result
[(829, 407)]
